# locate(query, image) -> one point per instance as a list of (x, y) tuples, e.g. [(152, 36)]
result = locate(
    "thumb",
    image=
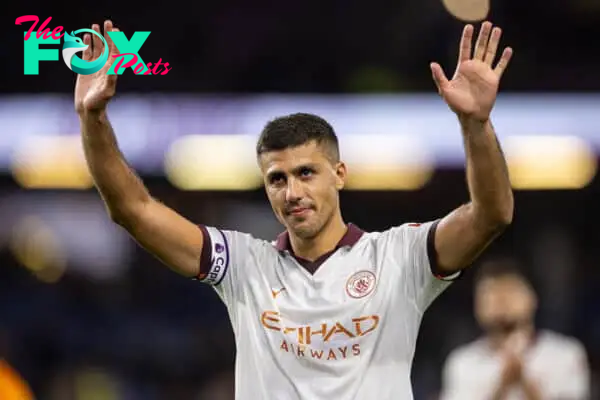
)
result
[(438, 76)]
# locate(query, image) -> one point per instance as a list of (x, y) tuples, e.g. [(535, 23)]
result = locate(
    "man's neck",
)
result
[(326, 241)]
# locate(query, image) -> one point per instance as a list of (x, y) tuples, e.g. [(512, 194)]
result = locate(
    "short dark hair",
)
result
[(295, 130), (501, 268)]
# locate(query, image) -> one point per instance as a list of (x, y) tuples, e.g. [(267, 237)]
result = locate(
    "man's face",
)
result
[(302, 184), (504, 305)]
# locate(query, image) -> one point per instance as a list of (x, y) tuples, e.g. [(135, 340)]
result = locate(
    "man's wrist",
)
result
[(92, 115), (471, 124)]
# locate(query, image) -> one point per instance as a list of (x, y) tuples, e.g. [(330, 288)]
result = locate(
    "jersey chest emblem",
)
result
[(360, 284)]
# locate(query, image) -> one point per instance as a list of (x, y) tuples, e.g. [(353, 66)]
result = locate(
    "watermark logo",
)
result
[(128, 56), (74, 45)]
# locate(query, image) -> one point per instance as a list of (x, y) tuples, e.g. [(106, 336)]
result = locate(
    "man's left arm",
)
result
[(464, 233)]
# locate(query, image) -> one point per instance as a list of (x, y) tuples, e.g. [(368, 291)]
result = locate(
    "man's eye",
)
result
[(276, 179), (306, 172)]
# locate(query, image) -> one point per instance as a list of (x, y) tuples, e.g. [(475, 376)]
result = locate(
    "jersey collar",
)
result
[(352, 235)]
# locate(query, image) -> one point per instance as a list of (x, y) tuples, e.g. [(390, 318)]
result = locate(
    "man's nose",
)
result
[(294, 191)]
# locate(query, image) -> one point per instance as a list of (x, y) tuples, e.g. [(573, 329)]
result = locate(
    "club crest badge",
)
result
[(360, 284)]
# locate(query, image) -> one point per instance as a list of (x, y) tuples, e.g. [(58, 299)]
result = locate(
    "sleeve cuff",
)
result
[(214, 259), (433, 259), (205, 255)]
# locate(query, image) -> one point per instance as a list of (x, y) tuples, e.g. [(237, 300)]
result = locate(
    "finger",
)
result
[(504, 60), (111, 44), (466, 44), (108, 27), (112, 51), (97, 43), (87, 53), (482, 41), (492, 48), (438, 76)]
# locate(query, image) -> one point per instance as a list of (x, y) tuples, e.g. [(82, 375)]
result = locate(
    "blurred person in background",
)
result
[(327, 311), (514, 360)]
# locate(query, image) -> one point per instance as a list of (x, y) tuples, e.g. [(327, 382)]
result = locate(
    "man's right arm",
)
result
[(173, 239)]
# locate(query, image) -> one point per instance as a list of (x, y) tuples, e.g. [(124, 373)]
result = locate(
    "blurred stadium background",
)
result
[(87, 315)]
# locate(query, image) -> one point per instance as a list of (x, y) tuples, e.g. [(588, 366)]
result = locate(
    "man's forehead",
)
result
[(508, 281), (292, 157), (505, 290)]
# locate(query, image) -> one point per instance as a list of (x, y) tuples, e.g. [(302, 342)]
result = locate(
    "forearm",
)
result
[(120, 188), (487, 174)]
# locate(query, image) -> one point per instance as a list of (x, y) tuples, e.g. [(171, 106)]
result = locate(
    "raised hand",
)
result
[(94, 91), (472, 91)]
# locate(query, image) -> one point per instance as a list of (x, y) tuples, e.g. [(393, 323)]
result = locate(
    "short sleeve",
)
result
[(413, 250), (223, 261)]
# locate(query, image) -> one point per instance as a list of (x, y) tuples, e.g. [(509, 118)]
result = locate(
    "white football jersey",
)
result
[(556, 363), (348, 331)]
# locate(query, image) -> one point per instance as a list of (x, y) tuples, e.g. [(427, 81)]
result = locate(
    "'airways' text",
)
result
[(331, 354)]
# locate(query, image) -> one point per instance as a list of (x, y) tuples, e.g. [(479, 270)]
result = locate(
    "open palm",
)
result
[(473, 89), (93, 92)]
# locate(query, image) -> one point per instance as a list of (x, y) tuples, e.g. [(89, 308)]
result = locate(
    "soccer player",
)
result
[(327, 311), (514, 360)]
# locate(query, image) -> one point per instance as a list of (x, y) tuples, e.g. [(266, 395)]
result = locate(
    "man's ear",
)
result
[(340, 175)]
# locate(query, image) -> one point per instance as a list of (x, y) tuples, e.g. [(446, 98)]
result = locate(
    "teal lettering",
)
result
[(33, 54), (132, 47)]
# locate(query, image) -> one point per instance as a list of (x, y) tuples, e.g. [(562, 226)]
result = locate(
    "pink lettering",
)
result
[(43, 30), (48, 34), (148, 71), (28, 18), (155, 71), (138, 69), (166, 69), (56, 31), (130, 63)]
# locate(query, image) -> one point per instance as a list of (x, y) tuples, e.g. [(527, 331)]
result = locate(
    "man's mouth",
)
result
[(298, 211)]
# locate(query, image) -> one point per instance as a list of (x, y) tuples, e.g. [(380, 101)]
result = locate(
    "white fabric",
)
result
[(303, 336)]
